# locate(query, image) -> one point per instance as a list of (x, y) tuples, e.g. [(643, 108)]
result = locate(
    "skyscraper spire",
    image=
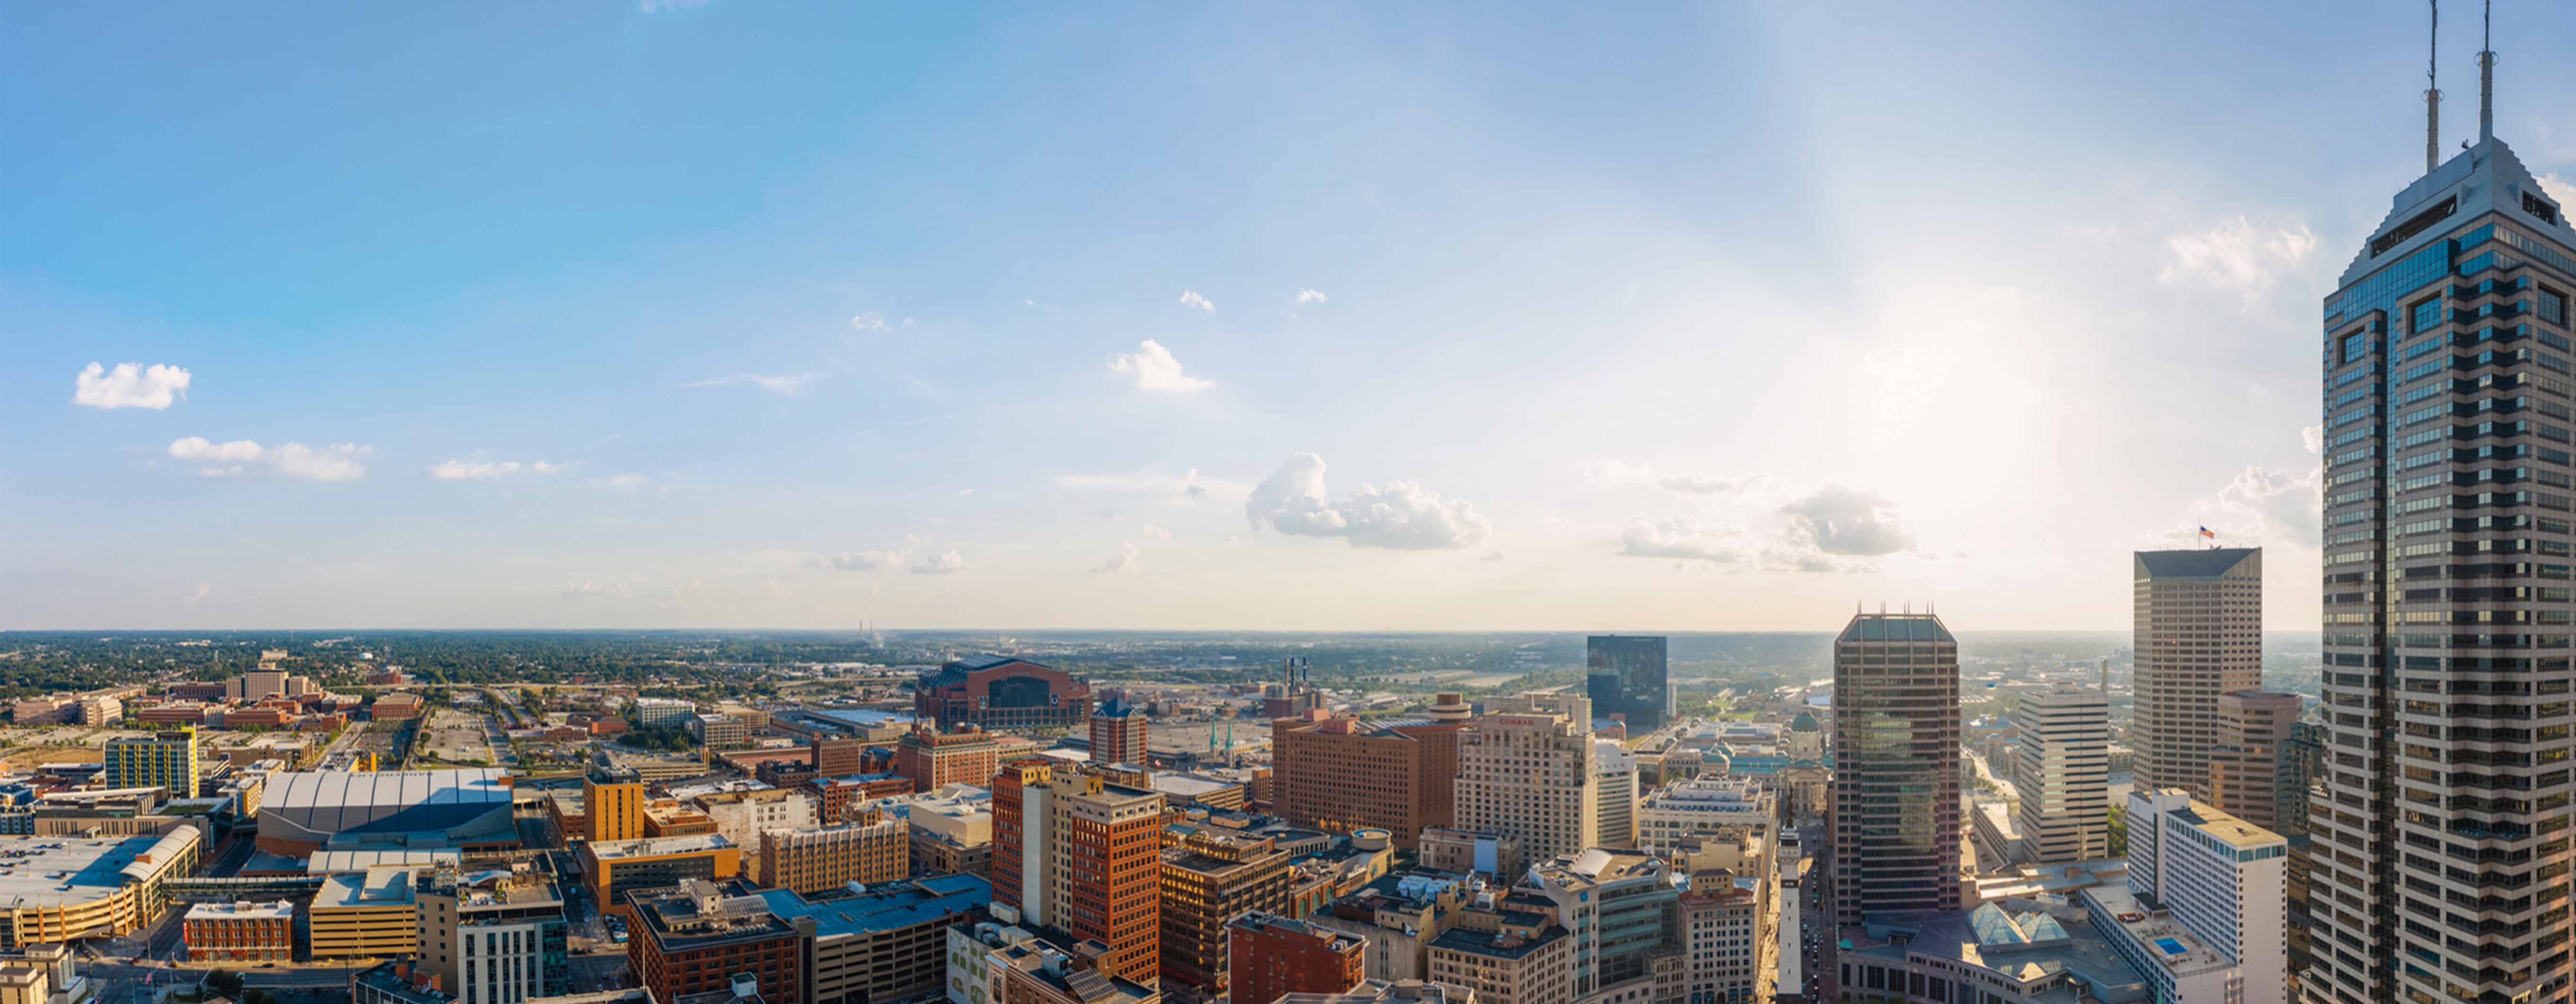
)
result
[(2486, 78), (2433, 93)]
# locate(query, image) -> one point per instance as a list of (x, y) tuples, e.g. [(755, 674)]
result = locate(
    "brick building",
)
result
[(1272, 955), (1343, 774)]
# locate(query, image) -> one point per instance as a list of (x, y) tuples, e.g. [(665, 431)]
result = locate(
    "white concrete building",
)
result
[(1614, 772), (2206, 909), (2064, 777), (1531, 775), (1702, 805)]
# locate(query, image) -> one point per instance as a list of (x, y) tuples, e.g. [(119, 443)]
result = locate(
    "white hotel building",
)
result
[(2206, 909)]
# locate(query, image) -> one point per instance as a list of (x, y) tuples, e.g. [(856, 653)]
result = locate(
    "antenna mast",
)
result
[(2486, 78), (2433, 94)]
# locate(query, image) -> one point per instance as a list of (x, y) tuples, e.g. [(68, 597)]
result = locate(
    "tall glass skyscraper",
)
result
[(1625, 675), (1895, 815), (2441, 832)]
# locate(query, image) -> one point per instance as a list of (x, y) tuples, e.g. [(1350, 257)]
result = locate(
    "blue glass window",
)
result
[(2352, 346), (2428, 315)]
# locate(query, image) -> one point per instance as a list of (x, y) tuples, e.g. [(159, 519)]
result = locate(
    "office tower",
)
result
[(2065, 773), (1118, 733), (1614, 774), (2198, 634), (875, 848), (934, 760), (1451, 708), (1210, 877), (2219, 878), (1530, 775), (612, 805), (1073, 852), (1624, 675), (165, 760), (1273, 955), (1342, 774), (2245, 765), (838, 757), (1623, 910), (495, 937), (1895, 813), (2447, 414)]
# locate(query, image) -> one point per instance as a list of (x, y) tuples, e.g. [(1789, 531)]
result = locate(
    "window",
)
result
[(2427, 315)]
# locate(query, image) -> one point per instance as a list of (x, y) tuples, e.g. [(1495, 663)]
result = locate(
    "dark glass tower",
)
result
[(1625, 675), (2440, 854), (1895, 811)]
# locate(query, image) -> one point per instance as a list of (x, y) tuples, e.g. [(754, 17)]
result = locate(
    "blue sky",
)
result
[(1335, 317)]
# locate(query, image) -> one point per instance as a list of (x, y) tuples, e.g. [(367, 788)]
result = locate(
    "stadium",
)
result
[(308, 811)]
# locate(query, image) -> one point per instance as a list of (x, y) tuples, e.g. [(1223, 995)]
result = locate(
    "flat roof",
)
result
[(888, 907), (2223, 825), (280, 910), (60, 871), (613, 850), (383, 885), (1461, 939)]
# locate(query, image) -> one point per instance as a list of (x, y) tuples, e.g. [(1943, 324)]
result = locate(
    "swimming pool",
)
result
[(2170, 946)]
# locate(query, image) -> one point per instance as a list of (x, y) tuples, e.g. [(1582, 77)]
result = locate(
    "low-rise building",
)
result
[(1271, 956), (1699, 804), (696, 939), (1496, 855), (664, 712), (240, 932), (952, 831), (1397, 917), (617, 867), (368, 914), (888, 943), (1514, 958), (877, 848), (719, 732), (68, 888)]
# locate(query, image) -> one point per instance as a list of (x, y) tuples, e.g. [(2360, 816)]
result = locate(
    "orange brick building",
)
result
[(240, 932), (932, 759), (1270, 955)]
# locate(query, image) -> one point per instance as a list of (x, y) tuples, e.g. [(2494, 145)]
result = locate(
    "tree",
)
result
[(226, 983), (2119, 832)]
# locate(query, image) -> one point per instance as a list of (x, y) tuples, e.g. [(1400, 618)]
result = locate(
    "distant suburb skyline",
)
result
[(720, 314)]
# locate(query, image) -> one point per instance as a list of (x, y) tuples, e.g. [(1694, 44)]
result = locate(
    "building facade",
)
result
[(1000, 692), (1531, 776), (165, 760), (1209, 878), (698, 939), (492, 937), (1271, 956), (934, 760), (1118, 731), (2250, 759), (1895, 819), (2198, 633), (1343, 774), (1614, 772), (1074, 852), (2476, 253), (871, 850), (2065, 777), (1624, 675), (240, 932)]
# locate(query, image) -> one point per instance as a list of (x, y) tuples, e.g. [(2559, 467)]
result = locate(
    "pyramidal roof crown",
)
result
[(2485, 177)]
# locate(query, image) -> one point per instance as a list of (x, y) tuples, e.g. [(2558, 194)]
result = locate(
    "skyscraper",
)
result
[(1895, 815), (1624, 675), (2246, 765), (1117, 733), (2441, 839), (2199, 634), (1530, 775), (2065, 773), (163, 759)]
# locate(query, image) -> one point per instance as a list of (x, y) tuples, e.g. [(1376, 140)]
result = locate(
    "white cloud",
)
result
[(2314, 438), (129, 385), (1310, 296), (1841, 521), (1190, 298), (1492, 556), (628, 481), (1153, 532), (2559, 189), (1152, 367), (203, 590), (1622, 473), (1683, 540), (2238, 256), (942, 563), (871, 322), (332, 462), (488, 470), (1180, 489), (593, 589), (1122, 562), (2260, 505), (1401, 516), (860, 561), (781, 384)]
